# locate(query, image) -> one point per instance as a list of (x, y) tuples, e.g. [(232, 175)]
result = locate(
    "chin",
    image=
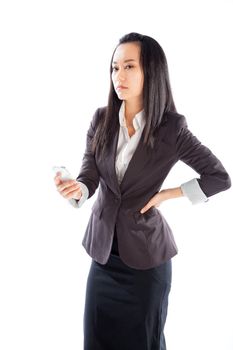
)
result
[(123, 96)]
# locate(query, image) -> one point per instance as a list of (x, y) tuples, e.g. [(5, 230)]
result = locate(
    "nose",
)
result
[(120, 75)]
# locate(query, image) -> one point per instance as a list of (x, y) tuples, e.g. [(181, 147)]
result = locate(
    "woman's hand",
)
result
[(161, 196), (67, 188), (155, 201)]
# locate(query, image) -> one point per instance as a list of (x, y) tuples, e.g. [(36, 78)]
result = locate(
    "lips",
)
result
[(121, 87)]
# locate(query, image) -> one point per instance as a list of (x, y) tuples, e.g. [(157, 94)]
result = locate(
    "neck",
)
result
[(131, 109)]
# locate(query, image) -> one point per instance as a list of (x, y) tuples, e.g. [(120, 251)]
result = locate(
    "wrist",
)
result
[(172, 193)]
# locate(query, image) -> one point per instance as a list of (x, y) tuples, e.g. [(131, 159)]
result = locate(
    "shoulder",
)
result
[(171, 127), (98, 115), (174, 121), (102, 110)]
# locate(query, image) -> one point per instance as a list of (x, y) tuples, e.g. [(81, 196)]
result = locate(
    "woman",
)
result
[(132, 144)]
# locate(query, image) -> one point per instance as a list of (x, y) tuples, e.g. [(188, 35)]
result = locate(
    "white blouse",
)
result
[(125, 150), (126, 144)]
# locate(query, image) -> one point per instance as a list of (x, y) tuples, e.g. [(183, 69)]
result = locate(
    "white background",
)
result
[(54, 63)]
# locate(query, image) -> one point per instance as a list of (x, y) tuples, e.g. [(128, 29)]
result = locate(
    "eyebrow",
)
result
[(129, 60)]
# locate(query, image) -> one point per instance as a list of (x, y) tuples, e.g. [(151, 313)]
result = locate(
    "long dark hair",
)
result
[(157, 94)]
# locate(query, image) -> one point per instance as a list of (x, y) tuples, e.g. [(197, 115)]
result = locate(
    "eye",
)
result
[(129, 66), (115, 68)]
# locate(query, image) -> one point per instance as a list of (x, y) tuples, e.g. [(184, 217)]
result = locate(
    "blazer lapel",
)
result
[(136, 163), (110, 161)]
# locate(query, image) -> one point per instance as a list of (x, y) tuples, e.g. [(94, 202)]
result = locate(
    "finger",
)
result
[(58, 174), (74, 194), (144, 209), (66, 184), (57, 178), (69, 193), (68, 189), (147, 207)]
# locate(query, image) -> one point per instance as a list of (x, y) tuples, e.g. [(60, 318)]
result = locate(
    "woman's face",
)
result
[(127, 72)]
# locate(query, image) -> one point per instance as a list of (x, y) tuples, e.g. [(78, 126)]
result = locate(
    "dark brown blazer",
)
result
[(144, 240)]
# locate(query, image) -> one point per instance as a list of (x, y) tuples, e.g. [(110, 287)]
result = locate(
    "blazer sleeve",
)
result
[(88, 174), (213, 176), (77, 203)]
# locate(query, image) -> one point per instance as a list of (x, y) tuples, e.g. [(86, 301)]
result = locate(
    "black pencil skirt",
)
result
[(126, 308)]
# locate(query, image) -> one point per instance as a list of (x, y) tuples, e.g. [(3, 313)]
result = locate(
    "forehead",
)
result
[(127, 52)]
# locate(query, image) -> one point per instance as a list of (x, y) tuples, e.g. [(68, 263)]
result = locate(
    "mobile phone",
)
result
[(65, 174)]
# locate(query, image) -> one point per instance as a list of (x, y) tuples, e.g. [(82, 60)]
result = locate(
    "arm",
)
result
[(213, 176), (190, 189), (85, 193), (88, 174)]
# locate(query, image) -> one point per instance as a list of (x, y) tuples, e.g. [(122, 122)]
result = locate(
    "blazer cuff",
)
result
[(192, 190), (85, 193)]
